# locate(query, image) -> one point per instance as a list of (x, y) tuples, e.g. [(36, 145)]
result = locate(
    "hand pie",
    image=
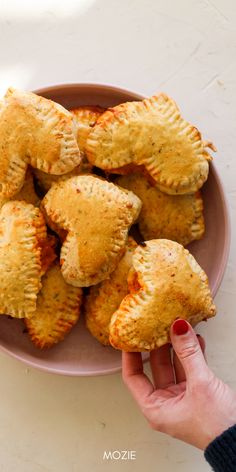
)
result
[(27, 192), (85, 118), (87, 207), (176, 217), (151, 133), (105, 298), (36, 131), (165, 283), (58, 309), (23, 251)]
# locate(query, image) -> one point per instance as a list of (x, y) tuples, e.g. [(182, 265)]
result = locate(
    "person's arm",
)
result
[(185, 400)]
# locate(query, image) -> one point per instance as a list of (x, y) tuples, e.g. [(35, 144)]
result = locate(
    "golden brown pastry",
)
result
[(85, 118), (151, 133), (165, 283), (24, 256), (27, 192), (96, 215), (36, 131), (58, 310), (176, 217), (105, 298), (45, 180)]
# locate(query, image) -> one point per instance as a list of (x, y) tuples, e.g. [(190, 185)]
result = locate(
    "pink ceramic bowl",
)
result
[(80, 353)]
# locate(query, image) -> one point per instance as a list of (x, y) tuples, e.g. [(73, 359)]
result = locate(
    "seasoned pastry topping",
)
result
[(27, 192), (165, 283), (58, 310), (176, 217), (151, 133), (85, 118), (36, 131), (22, 236), (104, 298), (97, 216)]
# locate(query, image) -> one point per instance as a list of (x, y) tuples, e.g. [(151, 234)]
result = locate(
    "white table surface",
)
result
[(186, 48)]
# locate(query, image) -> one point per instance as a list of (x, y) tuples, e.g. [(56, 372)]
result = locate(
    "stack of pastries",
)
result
[(72, 185)]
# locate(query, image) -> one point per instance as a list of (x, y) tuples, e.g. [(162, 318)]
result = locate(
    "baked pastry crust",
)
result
[(165, 283), (86, 207), (104, 298), (176, 217), (85, 118), (58, 310), (23, 238), (35, 131), (27, 192), (151, 133), (45, 181)]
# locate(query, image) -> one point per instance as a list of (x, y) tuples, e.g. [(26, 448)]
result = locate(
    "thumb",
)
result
[(188, 350)]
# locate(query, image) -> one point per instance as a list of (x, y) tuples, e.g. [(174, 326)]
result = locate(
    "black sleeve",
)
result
[(221, 453)]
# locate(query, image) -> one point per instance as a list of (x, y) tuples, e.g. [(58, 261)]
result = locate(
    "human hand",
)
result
[(186, 400)]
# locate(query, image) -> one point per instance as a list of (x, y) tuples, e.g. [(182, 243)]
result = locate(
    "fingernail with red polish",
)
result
[(180, 327)]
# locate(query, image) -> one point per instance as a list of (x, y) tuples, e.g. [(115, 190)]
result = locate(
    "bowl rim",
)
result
[(63, 372), (91, 85), (225, 251)]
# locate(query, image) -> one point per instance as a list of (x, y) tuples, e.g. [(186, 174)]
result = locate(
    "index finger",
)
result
[(134, 378)]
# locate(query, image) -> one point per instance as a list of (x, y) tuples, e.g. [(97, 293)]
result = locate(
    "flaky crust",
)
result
[(104, 299), (85, 118), (176, 217), (22, 237), (87, 207), (27, 192), (151, 133), (45, 181), (58, 310), (165, 283), (36, 131)]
